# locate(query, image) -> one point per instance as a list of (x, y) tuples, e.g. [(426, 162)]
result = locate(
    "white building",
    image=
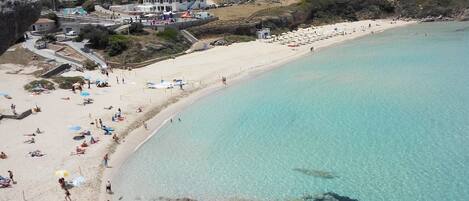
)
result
[(173, 5), (43, 25)]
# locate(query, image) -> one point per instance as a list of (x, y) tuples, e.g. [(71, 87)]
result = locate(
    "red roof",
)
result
[(43, 21)]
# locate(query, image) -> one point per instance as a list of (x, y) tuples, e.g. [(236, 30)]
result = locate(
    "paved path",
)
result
[(47, 53), (78, 46)]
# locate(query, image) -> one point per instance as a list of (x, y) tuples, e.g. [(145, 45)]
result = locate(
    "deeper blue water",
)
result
[(387, 116)]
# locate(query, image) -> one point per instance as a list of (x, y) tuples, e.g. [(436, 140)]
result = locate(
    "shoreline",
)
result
[(137, 137)]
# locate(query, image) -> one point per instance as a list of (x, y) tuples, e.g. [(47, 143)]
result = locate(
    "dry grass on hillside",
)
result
[(246, 10)]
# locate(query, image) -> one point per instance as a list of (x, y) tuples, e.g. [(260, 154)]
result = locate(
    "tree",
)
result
[(88, 6), (117, 44), (53, 16), (98, 36)]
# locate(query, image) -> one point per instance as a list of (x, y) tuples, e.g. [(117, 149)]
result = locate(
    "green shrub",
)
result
[(67, 82), (48, 38), (98, 36), (136, 28), (117, 44), (168, 34), (90, 65), (46, 84), (238, 38), (53, 16)]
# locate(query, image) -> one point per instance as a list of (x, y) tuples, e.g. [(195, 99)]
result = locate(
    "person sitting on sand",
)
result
[(80, 150), (115, 138), (87, 132), (31, 141), (84, 144), (3, 155), (139, 109), (93, 141), (66, 98)]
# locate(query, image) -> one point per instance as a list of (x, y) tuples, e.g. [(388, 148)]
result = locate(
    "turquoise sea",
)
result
[(384, 117)]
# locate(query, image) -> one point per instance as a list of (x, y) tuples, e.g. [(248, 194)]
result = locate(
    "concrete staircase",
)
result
[(191, 38)]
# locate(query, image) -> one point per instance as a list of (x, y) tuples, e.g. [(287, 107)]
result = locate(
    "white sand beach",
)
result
[(202, 70)]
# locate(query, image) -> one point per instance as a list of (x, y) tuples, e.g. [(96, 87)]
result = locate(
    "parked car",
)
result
[(71, 33)]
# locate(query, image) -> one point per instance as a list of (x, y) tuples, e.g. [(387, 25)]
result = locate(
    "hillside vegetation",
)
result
[(330, 11)]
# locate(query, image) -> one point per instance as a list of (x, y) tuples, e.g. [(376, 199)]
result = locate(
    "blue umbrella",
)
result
[(3, 94), (85, 93), (74, 128)]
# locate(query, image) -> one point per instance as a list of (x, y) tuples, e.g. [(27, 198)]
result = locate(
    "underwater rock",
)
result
[(316, 173), (331, 196)]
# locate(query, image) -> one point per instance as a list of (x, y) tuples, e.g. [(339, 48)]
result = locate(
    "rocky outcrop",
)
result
[(330, 196), (464, 16), (15, 18)]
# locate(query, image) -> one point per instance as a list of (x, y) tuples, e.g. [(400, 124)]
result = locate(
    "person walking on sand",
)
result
[(10, 174), (145, 125), (123, 81), (67, 195), (117, 79), (223, 79), (108, 187), (100, 123), (105, 160)]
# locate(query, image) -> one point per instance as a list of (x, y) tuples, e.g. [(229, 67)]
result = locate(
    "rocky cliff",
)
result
[(15, 18)]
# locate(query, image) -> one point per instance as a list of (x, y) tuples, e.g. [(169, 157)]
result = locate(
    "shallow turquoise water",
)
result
[(387, 114)]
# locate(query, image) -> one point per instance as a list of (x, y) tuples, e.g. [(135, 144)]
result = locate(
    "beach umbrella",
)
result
[(74, 128), (87, 77), (62, 173), (3, 94), (85, 93), (78, 181)]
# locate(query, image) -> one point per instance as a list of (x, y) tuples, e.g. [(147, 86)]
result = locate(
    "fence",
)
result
[(141, 64), (183, 24), (18, 117)]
